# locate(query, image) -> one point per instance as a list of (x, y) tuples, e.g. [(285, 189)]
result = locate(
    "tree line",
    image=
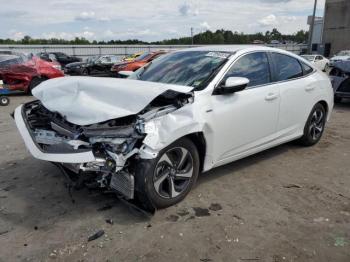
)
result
[(208, 37)]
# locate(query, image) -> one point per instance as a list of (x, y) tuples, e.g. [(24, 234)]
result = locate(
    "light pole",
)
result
[(312, 27), (192, 35)]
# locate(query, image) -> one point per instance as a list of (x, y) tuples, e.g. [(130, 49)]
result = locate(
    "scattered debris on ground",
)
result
[(97, 235)]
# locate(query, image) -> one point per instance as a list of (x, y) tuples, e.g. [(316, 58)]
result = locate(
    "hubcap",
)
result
[(3, 100), (316, 124), (173, 172)]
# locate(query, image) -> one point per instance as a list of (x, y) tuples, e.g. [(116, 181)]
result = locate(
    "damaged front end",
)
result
[(101, 155)]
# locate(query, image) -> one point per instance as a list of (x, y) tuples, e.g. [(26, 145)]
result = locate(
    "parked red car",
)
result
[(137, 63), (22, 72)]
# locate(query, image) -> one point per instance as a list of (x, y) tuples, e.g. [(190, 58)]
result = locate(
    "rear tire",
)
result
[(85, 72), (167, 179), (314, 126)]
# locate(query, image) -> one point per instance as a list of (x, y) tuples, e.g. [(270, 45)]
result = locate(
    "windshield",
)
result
[(15, 59), (344, 53), (92, 59), (142, 57), (309, 57), (189, 68)]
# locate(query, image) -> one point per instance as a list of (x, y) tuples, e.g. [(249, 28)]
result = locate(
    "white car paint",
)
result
[(318, 61), (234, 126), (37, 153), (89, 100)]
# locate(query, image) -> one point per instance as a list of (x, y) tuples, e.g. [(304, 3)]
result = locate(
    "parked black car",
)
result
[(340, 76), (94, 66), (60, 57)]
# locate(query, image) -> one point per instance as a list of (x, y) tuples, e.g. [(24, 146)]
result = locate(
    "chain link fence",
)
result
[(85, 51)]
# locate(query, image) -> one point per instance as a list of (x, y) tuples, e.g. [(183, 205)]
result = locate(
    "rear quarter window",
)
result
[(286, 67), (307, 69)]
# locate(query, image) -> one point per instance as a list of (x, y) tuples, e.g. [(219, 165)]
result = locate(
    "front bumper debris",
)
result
[(86, 158), (37, 152)]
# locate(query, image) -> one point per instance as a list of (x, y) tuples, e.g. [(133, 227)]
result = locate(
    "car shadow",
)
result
[(242, 164)]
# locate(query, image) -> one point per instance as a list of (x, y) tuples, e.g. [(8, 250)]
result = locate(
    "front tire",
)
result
[(314, 126), (167, 179)]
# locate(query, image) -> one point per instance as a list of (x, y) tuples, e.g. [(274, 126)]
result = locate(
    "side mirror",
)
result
[(125, 74), (232, 85)]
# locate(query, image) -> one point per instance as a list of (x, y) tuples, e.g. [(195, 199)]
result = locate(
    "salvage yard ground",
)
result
[(286, 204)]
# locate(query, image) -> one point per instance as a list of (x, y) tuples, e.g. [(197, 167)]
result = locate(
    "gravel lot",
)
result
[(286, 204)]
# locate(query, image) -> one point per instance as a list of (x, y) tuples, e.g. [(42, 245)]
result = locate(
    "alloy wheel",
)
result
[(173, 172), (316, 124)]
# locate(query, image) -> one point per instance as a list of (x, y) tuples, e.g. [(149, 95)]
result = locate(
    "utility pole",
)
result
[(192, 35), (312, 28)]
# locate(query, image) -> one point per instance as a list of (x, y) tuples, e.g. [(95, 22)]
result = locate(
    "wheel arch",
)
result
[(325, 105), (200, 142)]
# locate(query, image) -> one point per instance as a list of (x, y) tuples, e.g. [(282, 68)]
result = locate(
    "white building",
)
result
[(317, 33)]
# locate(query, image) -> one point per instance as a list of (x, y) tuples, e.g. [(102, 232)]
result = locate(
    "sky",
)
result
[(149, 20)]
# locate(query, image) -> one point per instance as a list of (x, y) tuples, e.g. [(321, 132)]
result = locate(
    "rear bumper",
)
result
[(36, 151)]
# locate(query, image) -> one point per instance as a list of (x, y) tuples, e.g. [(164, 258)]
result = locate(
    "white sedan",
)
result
[(150, 136), (319, 61)]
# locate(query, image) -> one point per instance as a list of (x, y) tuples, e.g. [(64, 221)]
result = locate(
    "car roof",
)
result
[(230, 48), (240, 48)]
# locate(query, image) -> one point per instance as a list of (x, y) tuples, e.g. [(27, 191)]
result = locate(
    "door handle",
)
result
[(271, 96), (309, 88)]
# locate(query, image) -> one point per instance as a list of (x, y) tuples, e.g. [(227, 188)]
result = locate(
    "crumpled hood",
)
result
[(91, 100)]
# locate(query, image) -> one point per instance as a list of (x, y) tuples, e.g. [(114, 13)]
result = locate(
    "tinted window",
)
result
[(307, 69), (143, 56), (188, 68), (286, 67), (253, 66), (114, 59), (156, 56)]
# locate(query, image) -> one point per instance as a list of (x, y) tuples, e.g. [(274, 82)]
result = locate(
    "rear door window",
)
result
[(286, 67)]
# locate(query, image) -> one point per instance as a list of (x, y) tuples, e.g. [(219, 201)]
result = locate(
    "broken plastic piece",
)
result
[(97, 235)]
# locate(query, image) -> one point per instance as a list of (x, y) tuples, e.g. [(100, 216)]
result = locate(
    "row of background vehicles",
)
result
[(20, 72), (23, 72), (110, 65), (325, 64)]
